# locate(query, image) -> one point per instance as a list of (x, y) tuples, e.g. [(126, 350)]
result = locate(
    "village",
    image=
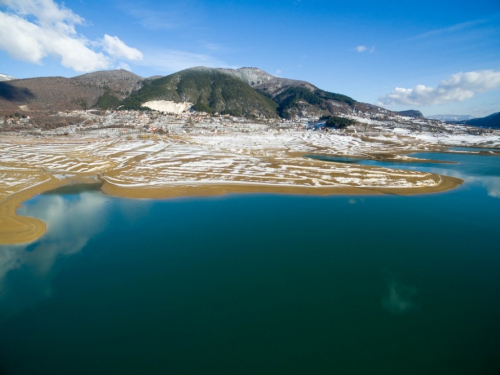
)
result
[(130, 122), (133, 123)]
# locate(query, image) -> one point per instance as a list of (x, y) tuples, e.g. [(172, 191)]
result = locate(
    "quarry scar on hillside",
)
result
[(190, 165)]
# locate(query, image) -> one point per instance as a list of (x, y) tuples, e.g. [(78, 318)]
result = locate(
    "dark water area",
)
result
[(336, 159), (259, 284)]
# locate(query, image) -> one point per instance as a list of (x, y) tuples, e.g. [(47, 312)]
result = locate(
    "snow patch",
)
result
[(168, 106)]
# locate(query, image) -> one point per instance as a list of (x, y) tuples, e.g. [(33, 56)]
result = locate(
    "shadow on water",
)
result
[(336, 159), (74, 189), (13, 93)]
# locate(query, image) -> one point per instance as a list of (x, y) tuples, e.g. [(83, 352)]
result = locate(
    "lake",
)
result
[(259, 284)]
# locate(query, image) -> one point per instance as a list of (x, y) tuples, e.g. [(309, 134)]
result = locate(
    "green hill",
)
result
[(209, 90), (296, 98), (292, 99)]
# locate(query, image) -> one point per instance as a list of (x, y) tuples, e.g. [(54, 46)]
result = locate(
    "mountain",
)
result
[(450, 117), (248, 92), (294, 98), (491, 121), (59, 93), (120, 82), (4, 77), (209, 90), (262, 81), (411, 113)]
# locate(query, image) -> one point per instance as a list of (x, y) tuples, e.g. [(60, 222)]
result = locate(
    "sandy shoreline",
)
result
[(16, 229), (446, 183)]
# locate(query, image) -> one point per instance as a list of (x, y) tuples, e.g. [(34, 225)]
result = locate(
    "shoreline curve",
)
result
[(17, 229)]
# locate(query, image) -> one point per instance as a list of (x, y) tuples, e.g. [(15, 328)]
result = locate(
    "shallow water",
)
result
[(259, 284)]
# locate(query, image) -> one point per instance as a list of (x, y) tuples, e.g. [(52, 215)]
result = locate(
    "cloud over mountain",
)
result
[(458, 87), (34, 29), (116, 48)]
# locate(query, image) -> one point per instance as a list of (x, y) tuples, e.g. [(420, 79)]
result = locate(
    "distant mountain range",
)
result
[(450, 117), (248, 92)]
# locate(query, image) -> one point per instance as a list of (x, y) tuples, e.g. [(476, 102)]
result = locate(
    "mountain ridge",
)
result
[(61, 93), (242, 92), (295, 98), (490, 121)]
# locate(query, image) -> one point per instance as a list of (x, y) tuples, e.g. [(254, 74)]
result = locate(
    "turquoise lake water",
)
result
[(259, 284)]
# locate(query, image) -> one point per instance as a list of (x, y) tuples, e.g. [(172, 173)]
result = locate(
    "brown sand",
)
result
[(18, 229)]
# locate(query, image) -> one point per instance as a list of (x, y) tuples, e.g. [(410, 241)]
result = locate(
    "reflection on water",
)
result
[(400, 299), (71, 221), (473, 169)]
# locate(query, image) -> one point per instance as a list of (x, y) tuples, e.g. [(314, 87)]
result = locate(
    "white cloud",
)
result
[(116, 48), (34, 29), (361, 48), (278, 71), (458, 87), (47, 12), (448, 30)]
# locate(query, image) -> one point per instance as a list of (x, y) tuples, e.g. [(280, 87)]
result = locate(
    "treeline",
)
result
[(107, 101), (337, 97), (337, 122), (291, 98)]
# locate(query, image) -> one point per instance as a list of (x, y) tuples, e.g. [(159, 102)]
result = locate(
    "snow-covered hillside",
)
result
[(4, 77)]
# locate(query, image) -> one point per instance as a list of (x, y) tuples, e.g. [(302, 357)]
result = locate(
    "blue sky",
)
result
[(438, 57)]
